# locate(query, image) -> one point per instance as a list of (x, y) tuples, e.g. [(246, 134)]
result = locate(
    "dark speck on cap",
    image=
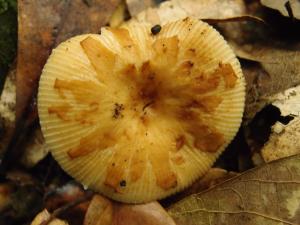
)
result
[(155, 29), (122, 183)]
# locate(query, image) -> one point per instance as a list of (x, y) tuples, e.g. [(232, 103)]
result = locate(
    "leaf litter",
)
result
[(268, 46), (264, 195), (209, 10), (289, 8)]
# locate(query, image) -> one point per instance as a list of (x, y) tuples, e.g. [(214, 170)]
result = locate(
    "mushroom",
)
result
[(139, 115)]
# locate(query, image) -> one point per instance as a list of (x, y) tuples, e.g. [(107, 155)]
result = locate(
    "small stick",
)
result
[(288, 7), (67, 206)]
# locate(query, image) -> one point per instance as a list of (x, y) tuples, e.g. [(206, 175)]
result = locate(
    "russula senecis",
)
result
[(139, 116)]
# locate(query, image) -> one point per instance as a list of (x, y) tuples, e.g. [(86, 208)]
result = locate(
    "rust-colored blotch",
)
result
[(138, 117)]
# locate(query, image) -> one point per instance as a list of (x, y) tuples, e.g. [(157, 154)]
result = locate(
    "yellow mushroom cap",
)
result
[(139, 116)]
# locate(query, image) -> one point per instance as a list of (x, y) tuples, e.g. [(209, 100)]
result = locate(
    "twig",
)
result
[(288, 7), (68, 206), (237, 19)]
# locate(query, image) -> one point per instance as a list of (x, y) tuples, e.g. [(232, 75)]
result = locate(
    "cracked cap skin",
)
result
[(139, 116)]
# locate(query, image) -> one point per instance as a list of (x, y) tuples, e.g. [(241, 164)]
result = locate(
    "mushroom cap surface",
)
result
[(139, 116)]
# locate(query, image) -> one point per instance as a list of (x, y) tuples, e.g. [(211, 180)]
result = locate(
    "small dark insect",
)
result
[(155, 29), (122, 183)]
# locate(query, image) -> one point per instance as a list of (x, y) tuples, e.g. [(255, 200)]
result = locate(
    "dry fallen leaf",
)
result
[(272, 54), (99, 212), (137, 6), (38, 23), (147, 214), (288, 101), (44, 216), (280, 70), (256, 79), (213, 177), (266, 195), (7, 110), (284, 7), (243, 200), (284, 139), (179, 9), (102, 211), (282, 65), (43, 25), (119, 15), (283, 142), (212, 9)]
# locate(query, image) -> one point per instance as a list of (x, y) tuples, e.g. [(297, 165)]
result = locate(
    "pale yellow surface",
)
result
[(69, 61)]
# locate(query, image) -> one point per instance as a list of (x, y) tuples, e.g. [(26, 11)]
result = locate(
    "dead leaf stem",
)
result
[(88, 196), (237, 19), (288, 7), (271, 181), (237, 193), (236, 212)]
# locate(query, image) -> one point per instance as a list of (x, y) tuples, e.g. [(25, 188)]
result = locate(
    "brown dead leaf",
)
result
[(179, 9), (99, 212), (266, 195), (288, 101), (284, 139), (273, 54), (137, 6), (256, 79), (44, 216), (283, 142), (119, 15), (42, 26), (213, 177), (277, 70), (289, 8), (272, 50), (38, 23), (147, 214), (282, 65), (83, 18), (212, 9), (102, 211)]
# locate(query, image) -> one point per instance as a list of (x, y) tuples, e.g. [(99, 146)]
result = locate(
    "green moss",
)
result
[(6, 4)]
